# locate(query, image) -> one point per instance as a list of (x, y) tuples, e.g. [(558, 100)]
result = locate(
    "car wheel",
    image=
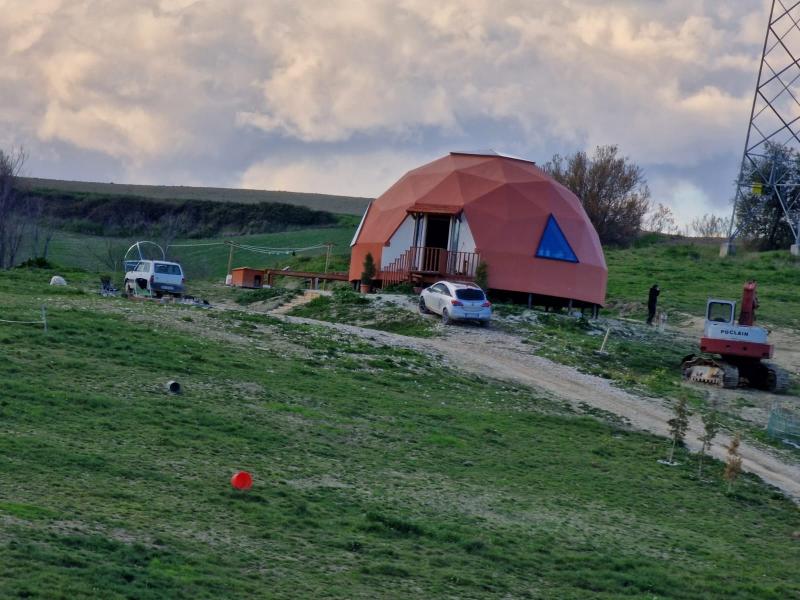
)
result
[(423, 307), (445, 317)]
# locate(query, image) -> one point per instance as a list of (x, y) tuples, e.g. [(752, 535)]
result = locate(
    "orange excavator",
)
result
[(739, 349)]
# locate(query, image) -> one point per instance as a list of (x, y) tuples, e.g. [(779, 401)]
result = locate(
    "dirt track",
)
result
[(495, 354)]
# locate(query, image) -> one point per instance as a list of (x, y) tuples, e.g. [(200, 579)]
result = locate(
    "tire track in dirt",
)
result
[(491, 353)]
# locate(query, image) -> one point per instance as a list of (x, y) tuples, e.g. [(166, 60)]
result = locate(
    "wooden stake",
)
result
[(44, 318), (230, 258), (605, 339), (327, 261)]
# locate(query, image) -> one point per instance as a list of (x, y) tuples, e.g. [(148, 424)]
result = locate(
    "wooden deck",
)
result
[(420, 264)]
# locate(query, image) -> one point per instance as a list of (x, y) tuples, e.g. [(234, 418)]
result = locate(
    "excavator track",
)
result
[(710, 372), (777, 379)]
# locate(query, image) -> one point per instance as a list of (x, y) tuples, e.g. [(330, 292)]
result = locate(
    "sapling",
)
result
[(677, 427), (733, 466), (710, 429)]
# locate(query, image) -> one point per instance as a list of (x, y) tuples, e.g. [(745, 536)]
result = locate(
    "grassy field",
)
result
[(691, 272), (208, 258), (378, 473), (336, 204)]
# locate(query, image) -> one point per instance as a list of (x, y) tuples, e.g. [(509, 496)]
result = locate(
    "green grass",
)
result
[(279, 295), (689, 273), (635, 356), (203, 261), (378, 472), (347, 306)]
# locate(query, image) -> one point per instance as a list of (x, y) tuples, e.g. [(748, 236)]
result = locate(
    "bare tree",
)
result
[(42, 231), (110, 254), (661, 220), (174, 225), (613, 190), (711, 226), (12, 223)]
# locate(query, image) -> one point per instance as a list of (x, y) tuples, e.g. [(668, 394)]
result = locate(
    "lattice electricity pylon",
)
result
[(774, 119)]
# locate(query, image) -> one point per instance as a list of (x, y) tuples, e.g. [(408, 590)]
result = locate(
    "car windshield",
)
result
[(469, 294), (164, 269)]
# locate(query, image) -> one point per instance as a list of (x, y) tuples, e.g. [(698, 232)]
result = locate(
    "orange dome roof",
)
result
[(531, 231)]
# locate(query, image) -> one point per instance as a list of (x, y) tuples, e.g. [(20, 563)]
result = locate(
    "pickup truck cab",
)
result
[(157, 277)]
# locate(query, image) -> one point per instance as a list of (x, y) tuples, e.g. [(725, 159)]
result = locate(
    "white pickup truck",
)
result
[(157, 277)]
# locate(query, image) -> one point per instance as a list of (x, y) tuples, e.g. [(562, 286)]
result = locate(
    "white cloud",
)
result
[(686, 200), (365, 174), (176, 86)]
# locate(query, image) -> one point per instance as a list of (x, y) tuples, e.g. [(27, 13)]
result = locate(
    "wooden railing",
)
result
[(430, 261)]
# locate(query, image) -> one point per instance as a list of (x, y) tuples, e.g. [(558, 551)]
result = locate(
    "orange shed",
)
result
[(441, 220), (247, 278)]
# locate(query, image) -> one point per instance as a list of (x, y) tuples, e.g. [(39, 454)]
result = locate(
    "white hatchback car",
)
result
[(456, 301), (158, 276)]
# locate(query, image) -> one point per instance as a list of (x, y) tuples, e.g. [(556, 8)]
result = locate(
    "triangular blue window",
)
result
[(554, 245)]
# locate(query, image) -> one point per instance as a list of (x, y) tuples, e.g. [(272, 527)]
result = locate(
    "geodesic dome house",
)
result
[(441, 220)]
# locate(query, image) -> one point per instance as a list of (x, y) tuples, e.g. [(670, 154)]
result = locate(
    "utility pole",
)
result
[(774, 122)]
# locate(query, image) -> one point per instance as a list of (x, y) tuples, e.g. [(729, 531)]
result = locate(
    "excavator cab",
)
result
[(734, 353), (720, 311)]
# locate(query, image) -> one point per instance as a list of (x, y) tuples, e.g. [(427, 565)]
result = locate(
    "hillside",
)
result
[(379, 471), (690, 271), (207, 257), (336, 204)]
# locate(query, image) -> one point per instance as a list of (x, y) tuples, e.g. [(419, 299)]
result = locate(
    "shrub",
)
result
[(482, 275), (368, 274)]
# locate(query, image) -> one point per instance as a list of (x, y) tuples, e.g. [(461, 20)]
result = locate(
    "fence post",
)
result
[(44, 318)]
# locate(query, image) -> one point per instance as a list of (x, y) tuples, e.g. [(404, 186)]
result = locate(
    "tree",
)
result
[(368, 274), (613, 191), (677, 427), (42, 230), (110, 254), (710, 226), (759, 212), (710, 429), (661, 220), (733, 465), (12, 222)]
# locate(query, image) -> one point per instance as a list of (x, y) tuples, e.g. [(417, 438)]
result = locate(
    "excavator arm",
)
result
[(747, 312)]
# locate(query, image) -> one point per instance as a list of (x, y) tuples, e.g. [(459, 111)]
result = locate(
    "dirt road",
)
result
[(499, 355)]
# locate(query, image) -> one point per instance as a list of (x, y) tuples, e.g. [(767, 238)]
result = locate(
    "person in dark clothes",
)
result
[(652, 300)]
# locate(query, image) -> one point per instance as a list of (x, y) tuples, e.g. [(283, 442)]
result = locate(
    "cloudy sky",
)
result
[(344, 97)]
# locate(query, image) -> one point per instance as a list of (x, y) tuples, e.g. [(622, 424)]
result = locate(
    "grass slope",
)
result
[(689, 273), (202, 260), (349, 205), (378, 472)]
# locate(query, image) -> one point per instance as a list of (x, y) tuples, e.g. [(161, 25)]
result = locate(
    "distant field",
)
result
[(335, 204), (202, 260)]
